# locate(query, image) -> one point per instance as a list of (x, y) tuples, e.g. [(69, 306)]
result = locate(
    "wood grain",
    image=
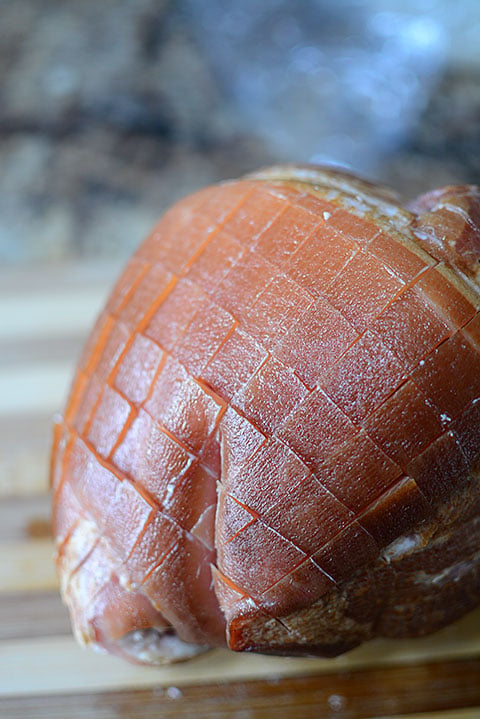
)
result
[(42, 670), (448, 714), (27, 566), (56, 664), (31, 614), (25, 517), (447, 687), (29, 389)]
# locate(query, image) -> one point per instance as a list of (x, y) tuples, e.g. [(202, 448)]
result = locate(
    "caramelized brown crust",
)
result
[(273, 434), (423, 581)]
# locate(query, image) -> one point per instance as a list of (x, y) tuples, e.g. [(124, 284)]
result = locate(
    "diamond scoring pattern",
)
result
[(193, 303)]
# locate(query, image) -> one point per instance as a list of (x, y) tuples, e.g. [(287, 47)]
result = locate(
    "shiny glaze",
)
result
[(283, 386)]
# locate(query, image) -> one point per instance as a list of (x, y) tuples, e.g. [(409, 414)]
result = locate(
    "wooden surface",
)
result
[(44, 316)]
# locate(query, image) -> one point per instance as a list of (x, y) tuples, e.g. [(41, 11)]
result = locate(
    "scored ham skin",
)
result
[(272, 440)]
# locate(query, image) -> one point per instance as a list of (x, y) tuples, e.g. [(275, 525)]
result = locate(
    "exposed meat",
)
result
[(272, 441)]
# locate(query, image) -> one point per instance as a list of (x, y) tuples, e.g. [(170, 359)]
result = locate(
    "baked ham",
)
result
[(272, 441)]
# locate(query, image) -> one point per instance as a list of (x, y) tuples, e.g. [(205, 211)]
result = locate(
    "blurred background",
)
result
[(110, 110)]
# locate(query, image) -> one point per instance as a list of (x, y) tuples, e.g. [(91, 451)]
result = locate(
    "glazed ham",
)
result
[(272, 442)]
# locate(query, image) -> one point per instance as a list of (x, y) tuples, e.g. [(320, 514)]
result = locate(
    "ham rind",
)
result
[(272, 439)]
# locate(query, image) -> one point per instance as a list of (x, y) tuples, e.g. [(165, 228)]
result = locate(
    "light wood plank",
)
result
[(24, 454), (27, 566), (33, 316), (37, 387), (25, 518), (65, 346), (24, 473), (26, 431), (59, 277), (57, 664), (24, 615), (359, 694)]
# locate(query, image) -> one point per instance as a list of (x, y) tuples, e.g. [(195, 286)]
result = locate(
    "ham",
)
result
[(272, 440)]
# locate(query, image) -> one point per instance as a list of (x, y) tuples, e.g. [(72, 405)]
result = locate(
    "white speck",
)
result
[(445, 418), (421, 363), (327, 215), (174, 693), (336, 702), (273, 680)]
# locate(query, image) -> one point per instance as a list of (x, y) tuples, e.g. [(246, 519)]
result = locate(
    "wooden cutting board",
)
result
[(45, 314)]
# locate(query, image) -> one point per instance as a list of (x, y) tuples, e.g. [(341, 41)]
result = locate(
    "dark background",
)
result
[(111, 109)]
